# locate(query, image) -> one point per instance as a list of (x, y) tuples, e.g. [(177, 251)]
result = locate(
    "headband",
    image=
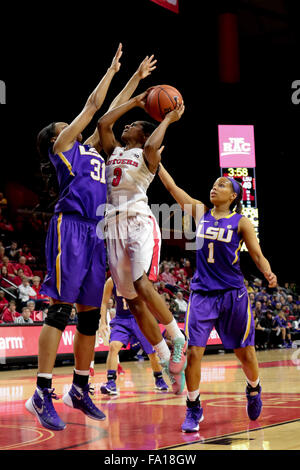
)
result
[(235, 184)]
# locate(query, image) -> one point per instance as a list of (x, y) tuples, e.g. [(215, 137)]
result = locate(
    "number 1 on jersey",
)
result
[(211, 258)]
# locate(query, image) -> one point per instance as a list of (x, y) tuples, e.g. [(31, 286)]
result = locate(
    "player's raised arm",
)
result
[(190, 205), (145, 68), (154, 142), (248, 233), (70, 133)]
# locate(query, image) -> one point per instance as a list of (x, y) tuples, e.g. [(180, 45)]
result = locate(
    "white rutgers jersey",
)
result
[(128, 179)]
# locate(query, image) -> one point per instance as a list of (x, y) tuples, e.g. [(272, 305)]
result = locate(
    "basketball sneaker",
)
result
[(109, 388), (40, 405), (254, 403), (160, 384), (80, 399), (194, 416), (177, 380), (178, 357)]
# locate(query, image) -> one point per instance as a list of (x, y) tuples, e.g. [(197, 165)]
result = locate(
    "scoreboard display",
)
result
[(237, 160)]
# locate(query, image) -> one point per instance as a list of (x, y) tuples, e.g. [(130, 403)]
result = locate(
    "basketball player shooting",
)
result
[(132, 233)]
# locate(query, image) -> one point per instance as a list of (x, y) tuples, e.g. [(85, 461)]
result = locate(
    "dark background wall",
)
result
[(53, 55)]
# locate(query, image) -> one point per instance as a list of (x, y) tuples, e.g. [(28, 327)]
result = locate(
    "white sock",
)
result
[(92, 364), (192, 395), (46, 376), (162, 350), (173, 330), (253, 384), (82, 372)]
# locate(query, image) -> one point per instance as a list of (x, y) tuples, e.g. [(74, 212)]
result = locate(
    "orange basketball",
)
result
[(161, 100)]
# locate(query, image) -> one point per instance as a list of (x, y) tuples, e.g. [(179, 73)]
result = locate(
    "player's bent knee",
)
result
[(88, 322), (58, 316)]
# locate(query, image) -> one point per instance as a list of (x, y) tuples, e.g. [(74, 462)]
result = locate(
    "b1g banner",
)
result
[(172, 5)]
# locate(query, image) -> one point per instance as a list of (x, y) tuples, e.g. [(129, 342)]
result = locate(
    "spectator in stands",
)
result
[(168, 278), (40, 299), (12, 251), (257, 284), (25, 291), (281, 322), (26, 252), (252, 299), (267, 322), (188, 269), (162, 288), (7, 282), (260, 334), (3, 302), (258, 309), (22, 264), (11, 269), (33, 312), (24, 318), (19, 277), (10, 313), (182, 304)]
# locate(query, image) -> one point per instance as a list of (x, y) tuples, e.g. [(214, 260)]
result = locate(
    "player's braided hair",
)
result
[(43, 141)]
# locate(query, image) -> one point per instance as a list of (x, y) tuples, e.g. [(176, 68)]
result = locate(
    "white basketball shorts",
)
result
[(133, 245)]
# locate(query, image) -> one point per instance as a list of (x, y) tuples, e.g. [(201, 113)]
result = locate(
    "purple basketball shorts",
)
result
[(229, 312), (122, 329), (76, 261)]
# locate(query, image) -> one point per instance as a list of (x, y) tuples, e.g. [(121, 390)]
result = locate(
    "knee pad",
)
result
[(58, 316), (88, 322)]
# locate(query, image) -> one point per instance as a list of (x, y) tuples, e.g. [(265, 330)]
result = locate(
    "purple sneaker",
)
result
[(194, 416), (40, 405), (254, 405), (80, 400), (160, 384), (109, 388)]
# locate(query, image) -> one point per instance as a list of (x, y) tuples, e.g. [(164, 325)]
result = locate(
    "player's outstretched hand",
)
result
[(115, 65), (146, 67)]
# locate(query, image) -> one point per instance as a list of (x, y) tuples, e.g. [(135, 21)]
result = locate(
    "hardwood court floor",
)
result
[(141, 418)]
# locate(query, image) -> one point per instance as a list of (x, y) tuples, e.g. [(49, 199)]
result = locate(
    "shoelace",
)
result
[(166, 370), (177, 350), (50, 410), (192, 413)]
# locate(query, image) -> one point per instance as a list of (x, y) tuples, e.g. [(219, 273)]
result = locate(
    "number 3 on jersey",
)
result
[(118, 175)]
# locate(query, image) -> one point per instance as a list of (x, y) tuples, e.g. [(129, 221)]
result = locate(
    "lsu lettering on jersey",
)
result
[(81, 177), (128, 179), (218, 250)]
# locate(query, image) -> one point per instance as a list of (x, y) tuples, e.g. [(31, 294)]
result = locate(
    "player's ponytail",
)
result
[(43, 141), (236, 205), (238, 189)]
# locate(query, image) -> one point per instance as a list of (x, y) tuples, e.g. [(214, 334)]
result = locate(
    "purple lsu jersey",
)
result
[(82, 185), (122, 309), (218, 248)]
